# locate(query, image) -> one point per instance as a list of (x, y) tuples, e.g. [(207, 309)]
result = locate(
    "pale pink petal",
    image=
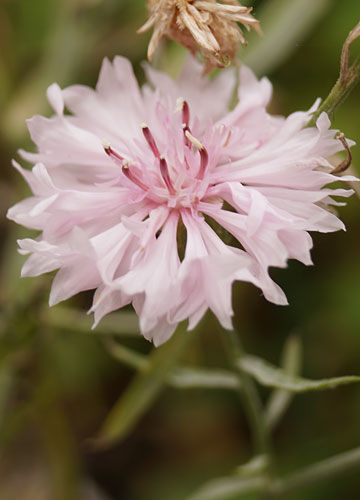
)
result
[(137, 193), (55, 98)]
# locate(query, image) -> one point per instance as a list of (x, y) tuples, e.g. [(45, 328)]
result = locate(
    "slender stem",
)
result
[(326, 469), (58, 440), (125, 355), (338, 94), (282, 487), (180, 377), (249, 395), (349, 77)]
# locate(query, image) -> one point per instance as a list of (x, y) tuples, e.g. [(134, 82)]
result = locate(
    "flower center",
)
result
[(182, 184)]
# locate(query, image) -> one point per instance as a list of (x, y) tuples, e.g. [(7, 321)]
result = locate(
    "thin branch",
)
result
[(180, 377), (349, 77), (326, 469)]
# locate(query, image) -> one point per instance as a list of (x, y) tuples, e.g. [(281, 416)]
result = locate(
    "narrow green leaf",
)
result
[(279, 399), (195, 378), (285, 24), (227, 488), (271, 376), (145, 388)]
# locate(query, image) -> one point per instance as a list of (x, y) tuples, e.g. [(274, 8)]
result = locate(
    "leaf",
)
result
[(229, 488), (194, 378), (285, 24), (143, 391), (271, 376), (280, 400)]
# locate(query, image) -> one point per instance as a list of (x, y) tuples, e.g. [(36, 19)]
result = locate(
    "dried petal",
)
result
[(204, 26)]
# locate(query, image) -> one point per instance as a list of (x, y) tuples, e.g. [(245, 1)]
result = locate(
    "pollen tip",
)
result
[(105, 144), (143, 125), (179, 104), (184, 126), (194, 141)]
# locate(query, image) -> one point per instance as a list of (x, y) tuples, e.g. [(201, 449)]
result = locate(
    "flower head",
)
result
[(207, 26), (181, 199)]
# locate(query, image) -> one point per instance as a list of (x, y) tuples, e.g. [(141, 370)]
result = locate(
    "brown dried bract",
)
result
[(207, 26)]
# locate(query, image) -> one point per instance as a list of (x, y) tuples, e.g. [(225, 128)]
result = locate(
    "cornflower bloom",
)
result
[(182, 198)]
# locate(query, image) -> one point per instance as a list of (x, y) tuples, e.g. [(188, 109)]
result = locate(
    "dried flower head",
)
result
[(207, 26)]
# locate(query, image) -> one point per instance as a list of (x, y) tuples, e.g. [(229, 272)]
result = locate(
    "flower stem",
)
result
[(249, 395), (349, 77), (326, 469)]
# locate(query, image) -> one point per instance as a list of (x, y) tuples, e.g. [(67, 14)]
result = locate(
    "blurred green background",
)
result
[(58, 380)]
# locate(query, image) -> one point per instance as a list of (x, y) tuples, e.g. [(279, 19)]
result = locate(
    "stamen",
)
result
[(150, 140), (185, 130), (347, 162), (105, 144), (204, 160), (227, 140), (182, 105), (186, 113), (166, 176), (193, 140), (179, 104), (127, 172), (112, 153), (204, 157)]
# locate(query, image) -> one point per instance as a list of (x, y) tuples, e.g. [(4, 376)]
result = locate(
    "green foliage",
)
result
[(271, 376), (141, 393), (279, 399)]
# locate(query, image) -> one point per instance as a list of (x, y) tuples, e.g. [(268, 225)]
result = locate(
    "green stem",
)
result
[(180, 377), (144, 389), (125, 355), (349, 77), (58, 440), (338, 94), (238, 487), (249, 395), (326, 469)]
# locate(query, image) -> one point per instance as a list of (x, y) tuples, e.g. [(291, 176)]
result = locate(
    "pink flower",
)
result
[(182, 199)]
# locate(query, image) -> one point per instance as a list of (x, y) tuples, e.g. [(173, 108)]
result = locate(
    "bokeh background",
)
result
[(59, 380)]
